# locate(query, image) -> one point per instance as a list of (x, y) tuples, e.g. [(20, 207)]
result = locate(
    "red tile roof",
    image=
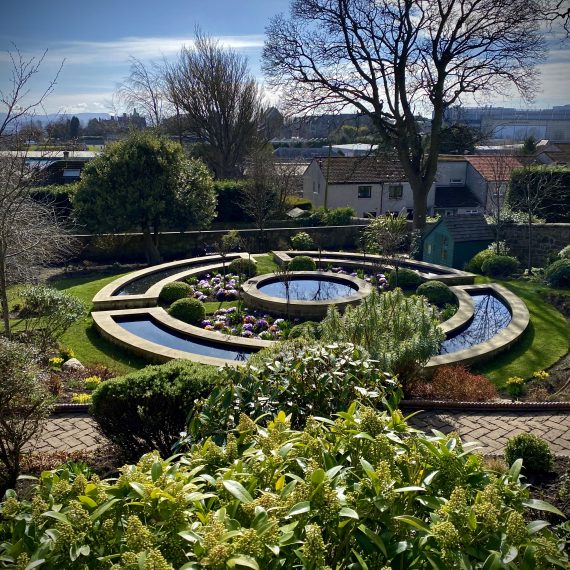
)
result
[(494, 167), (373, 169)]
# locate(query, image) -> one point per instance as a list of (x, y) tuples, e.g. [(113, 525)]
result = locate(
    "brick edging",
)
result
[(447, 405), (70, 409)]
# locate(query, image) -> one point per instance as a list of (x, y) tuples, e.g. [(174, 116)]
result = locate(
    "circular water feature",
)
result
[(307, 289)]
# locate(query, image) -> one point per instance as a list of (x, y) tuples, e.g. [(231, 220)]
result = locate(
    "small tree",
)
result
[(25, 403)]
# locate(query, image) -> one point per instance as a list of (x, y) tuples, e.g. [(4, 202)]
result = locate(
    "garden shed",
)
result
[(454, 240)]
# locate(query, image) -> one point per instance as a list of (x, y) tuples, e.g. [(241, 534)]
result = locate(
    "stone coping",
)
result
[(106, 298), (255, 298), (428, 271), (111, 330), (464, 313), (520, 319)]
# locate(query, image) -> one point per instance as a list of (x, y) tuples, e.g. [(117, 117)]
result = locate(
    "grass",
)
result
[(546, 340)]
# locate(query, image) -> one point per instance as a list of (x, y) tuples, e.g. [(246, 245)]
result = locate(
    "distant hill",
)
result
[(84, 118)]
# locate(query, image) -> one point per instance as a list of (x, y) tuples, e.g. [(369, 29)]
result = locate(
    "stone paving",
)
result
[(73, 432)]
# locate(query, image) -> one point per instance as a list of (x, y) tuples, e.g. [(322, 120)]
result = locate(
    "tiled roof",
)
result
[(455, 197), (362, 169), (466, 228), (494, 167)]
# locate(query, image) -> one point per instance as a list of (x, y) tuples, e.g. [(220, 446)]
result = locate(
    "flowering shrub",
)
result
[(212, 287), (81, 399), (364, 491), (66, 353), (515, 386), (249, 324), (55, 363), (302, 241), (541, 375), (91, 382)]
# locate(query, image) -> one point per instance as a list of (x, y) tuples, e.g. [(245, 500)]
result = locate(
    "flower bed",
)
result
[(246, 323), (213, 287), (74, 386)]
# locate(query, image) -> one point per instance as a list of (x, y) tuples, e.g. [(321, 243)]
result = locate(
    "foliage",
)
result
[(173, 291), (66, 353), (248, 324), (455, 383), (500, 266), (515, 386), (401, 332), (404, 278), (535, 453), (91, 382), (499, 248), (48, 313), (365, 491), (242, 266), (214, 287), (25, 403), (564, 253), (60, 197), (305, 380), (557, 274), (459, 139), (147, 410), (340, 216), (230, 205), (386, 235), (299, 202), (309, 330), (475, 265), (188, 310), (302, 263), (437, 293), (302, 241), (81, 398)]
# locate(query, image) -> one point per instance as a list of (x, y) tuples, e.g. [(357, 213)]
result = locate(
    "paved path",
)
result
[(72, 432)]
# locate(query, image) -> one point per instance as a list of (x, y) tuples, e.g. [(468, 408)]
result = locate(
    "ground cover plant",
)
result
[(247, 323), (364, 491)]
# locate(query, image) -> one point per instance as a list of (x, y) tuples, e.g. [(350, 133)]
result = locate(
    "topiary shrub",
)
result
[(147, 410), (308, 329), (564, 253), (404, 278), (302, 263), (437, 293), (500, 266), (242, 266), (187, 310), (536, 455), (557, 274), (173, 291), (476, 263), (302, 241)]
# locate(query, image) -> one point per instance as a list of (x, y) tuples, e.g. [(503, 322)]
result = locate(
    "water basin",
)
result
[(316, 289)]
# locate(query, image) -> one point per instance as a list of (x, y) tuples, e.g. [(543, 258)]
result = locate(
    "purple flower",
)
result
[(206, 322), (247, 327), (247, 333), (262, 324)]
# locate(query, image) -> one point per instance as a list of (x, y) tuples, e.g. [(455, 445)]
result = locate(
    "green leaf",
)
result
[(55, 515), (189, 535), (156, 470), (35, 564), (368, 469), (374, 538), (103, 508), (237, 490), (137, 488), (413, 521), (534, 526), (363, 564), (87, 501), (242, 560), (348, 513), (492, 562), (299, 508), (510, 555), (409, 489), (542, 506), (318, 476), (515, 469)]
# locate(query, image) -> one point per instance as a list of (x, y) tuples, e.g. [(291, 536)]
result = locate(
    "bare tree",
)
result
[(390, 59), (221, 100), (558, 11), (145, 89)]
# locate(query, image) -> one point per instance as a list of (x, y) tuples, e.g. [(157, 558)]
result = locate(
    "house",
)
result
[(453, 196), (454, 240), (553, 153), (371, 185)]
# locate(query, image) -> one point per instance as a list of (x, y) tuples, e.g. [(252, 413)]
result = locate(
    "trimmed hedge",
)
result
[(557, 274), (302, 263), (308, 330), (404, 278), (174, 291), (147, 410), (188, 310), (476, 262), (243, 266), (534, 451), (436, 292), (500, 266)]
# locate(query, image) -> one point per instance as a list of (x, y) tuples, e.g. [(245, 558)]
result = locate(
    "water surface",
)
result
[(315, 289)]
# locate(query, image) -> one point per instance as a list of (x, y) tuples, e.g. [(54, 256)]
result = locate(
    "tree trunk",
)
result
[(150, 250), (529, 262), (4, 298), (420, 206)]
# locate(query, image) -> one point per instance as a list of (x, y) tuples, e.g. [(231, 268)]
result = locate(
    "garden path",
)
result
[(76, 431)]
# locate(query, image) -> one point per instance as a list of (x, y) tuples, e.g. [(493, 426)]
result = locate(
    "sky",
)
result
[(95, 40)]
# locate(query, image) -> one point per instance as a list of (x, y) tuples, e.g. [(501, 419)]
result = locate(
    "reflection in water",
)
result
[(320, 289), (491, 316), (153, 331), (143, 284)]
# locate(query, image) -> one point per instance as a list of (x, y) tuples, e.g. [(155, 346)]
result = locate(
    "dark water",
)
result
[(151, 330), (142, 285), (491, 316), (320, 289)]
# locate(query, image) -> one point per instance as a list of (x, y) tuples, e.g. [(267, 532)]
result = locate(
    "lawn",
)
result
[(546, 340)]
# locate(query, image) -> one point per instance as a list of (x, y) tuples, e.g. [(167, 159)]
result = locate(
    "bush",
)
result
[(302, 241), (147, 410), (298, 202), (515, 386), (302, 263), (557, 274), (534, 452), (404, 278), (499, 248), (500, 266), (230, 203), (340, 216), (309, 330), (242, 266), (564, 253), (187, 310), (173, 291), (364, 492), (476, 263), (455, 383), (437, 293)]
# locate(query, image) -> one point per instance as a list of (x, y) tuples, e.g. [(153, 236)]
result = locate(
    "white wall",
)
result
[(450, 172)]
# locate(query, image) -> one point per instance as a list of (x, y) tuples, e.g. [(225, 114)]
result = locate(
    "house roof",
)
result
[(466, 228), (455, 197), (362, 169), (494, 167), (557, 153)]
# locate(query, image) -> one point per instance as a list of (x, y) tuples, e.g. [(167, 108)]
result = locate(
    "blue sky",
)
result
[(97, 37)]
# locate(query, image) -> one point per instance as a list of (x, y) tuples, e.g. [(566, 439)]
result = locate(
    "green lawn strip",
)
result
[(546, 340), (213, 306), (265, 264)]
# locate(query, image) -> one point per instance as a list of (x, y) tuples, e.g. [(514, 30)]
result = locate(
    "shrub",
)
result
[(534, 452), (242, 266), (174, 291), (302, 241), (298, 202), (500, 266), (364, 492), (455, 383), (436, 292), (147, 410), (499, 248), (402, 333), (81, 398), (91, 382), (309, 330), (302, 263), (66, 353), (187, 310), (476, 263), (557, 274), (340, 216), (564, 253), (515, 386), (404, 278)]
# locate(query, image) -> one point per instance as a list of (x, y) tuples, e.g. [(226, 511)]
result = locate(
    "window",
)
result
[(456, 181), (429, 249), (314, 187), (71, 172), (395, 191), (364, 191)]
